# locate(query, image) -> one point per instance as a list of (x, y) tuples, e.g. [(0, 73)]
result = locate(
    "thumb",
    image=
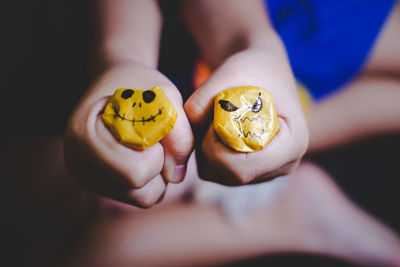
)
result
[(178, 144), (199, 106)]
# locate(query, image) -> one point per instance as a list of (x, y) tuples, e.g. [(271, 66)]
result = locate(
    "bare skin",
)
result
[(44, 203), (345, 231), (310, 216), (372, 99), (127, 53), (298, 222), (242, 49)]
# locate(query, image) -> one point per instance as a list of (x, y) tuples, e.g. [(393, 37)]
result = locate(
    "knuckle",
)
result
[(135, 177), (149, 196), (146, 202), (182, 146), (186, 142), (193, 109), (303, 144), (302, 139), (138, 180), (242, 175), (287, 169)]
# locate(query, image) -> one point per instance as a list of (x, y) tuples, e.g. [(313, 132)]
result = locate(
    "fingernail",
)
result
[(179, 173)]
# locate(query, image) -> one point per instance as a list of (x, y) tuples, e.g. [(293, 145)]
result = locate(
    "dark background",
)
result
[(45, 70)]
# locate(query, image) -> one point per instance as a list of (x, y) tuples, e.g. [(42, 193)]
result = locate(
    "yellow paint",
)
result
[(139, 118), (245, 118)]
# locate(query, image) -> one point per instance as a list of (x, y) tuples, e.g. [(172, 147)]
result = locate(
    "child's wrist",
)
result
[(118, 56), (107, 56), (264, 38), (105, 61), (263, 41)]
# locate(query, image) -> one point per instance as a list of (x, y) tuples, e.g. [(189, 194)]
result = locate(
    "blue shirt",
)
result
[(328, 41)]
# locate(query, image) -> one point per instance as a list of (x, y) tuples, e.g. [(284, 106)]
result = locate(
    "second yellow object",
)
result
[(139, 118), (245, 118)]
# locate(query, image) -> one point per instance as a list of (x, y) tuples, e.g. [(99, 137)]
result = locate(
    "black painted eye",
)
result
[(257, 105), (127, 93), (228, 106), (148, 96)]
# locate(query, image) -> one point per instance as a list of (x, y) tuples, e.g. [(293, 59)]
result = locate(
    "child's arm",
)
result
[(127, 58), (127, 31), (239, 44)]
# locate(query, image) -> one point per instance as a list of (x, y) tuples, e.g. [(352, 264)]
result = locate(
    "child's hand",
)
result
[(217, 162), (105, 166)]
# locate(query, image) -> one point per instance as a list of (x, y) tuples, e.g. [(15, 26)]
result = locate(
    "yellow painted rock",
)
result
[(245, 118), (139, 118)]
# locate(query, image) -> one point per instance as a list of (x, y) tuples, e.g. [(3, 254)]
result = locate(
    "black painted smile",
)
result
[(143, 120), (249, 133)]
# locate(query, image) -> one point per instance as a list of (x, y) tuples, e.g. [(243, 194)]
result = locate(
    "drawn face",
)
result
[(245, 118), (139, 118)]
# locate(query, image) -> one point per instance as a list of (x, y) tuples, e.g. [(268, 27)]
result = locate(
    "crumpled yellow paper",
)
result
[(139, 118), (245, 118)]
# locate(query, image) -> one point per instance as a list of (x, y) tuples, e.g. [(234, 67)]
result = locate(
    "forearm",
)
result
[(368, 106), (127, 31), (124, 43), (223, 28)]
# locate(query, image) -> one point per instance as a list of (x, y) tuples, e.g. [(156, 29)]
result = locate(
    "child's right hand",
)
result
[(105, 166)]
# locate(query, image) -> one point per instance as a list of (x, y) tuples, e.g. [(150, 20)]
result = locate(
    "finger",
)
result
[(178, 144), (206, 171), (103, 161), (199, 105), (230, 167), (244, 69), (218, 163), (135, 167), (144, 197)]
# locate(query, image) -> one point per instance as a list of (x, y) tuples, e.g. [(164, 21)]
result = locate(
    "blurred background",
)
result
[(45, 71)]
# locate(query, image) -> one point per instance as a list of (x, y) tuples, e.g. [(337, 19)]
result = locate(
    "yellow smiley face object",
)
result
[(245, 118), (139, 118)]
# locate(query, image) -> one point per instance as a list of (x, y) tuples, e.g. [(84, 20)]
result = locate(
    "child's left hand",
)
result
[(219, 163)]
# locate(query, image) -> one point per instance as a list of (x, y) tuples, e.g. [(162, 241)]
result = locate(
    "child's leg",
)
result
[(44, 210), (370, 104), (47, 214), (311, 216)]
